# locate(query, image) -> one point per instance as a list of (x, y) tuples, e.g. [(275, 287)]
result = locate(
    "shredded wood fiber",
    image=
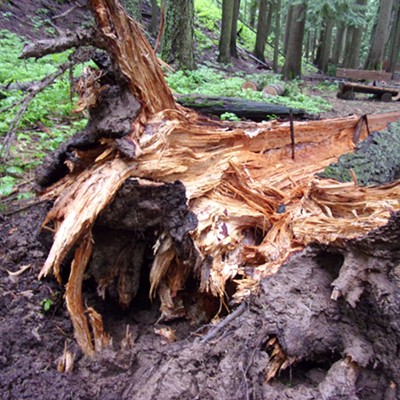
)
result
[(240, 181)]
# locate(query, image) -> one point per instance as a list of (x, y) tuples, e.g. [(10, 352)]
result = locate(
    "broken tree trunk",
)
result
[(218, 202)]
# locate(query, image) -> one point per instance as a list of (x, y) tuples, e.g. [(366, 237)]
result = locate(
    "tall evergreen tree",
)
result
[(226, 32), (277, 35), (354, 36), (292, 67), (177, 44), (394, 48), (263, 27), (235, 16), (380, 36)]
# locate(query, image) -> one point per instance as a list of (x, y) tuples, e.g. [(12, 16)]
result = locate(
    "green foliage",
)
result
[(47, 304), (229, 117), (52, 108), (209, 82), (208, 15)]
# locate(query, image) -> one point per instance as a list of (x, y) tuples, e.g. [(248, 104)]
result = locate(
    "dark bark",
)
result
[(111, 118), (292, 67), (325, 44), (338, 45), (277, 35), (224, 46), (264, 16), (287, 28), (394, 48), (178, 39), (375, 56), (354, 36), (235, 16), (40, 48), (154, 16), (253, 110)]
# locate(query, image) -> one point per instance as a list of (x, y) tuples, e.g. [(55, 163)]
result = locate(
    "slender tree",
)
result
[(235, 16), (394, 48), (263, 28), (292, 67), (154, 16), (338, 45), (354, 37), (325, 43), (177, 44), (277, 35), (287, 28), (226, 32), (252, 12), (380, 36)]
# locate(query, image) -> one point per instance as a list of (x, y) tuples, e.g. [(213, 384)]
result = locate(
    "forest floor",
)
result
[(35, 328)]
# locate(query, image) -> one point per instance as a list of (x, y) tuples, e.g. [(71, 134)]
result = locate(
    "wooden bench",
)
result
[(363, 75), (384, 93)]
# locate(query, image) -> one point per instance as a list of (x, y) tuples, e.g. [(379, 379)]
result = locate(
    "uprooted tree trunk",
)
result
[(209, 210)]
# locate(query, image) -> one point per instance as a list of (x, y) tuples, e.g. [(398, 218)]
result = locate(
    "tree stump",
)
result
[(214, 213)]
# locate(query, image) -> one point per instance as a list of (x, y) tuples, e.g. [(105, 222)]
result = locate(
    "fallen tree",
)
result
[(221, 206), (252, 110)]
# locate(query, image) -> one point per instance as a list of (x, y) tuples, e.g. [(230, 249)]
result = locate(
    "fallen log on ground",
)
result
[(252, 110), (207, 210)]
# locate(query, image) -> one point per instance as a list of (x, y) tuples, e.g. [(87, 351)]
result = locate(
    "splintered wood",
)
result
[(255, 205)]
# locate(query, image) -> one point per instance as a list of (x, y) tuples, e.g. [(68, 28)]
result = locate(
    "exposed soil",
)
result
[(343, 349)]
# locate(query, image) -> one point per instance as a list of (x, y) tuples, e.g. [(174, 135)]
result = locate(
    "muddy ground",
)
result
[(343, 349)]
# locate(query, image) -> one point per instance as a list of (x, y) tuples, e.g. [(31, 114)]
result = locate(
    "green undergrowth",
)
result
[(208, 16), (48, 120), (206, 81)]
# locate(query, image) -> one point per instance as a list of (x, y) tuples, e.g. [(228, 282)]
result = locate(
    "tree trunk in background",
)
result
[(133, 8), (177, 44), (314, 44), (252, 13), (338, 46), (262, 33), (292, 67), (353, 57), (226, 31), (324, 48), (375, 57), (353, 42), (277, 35), (287, 28), (347, 46), (235, 16), (154, 16), (394, 41)]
